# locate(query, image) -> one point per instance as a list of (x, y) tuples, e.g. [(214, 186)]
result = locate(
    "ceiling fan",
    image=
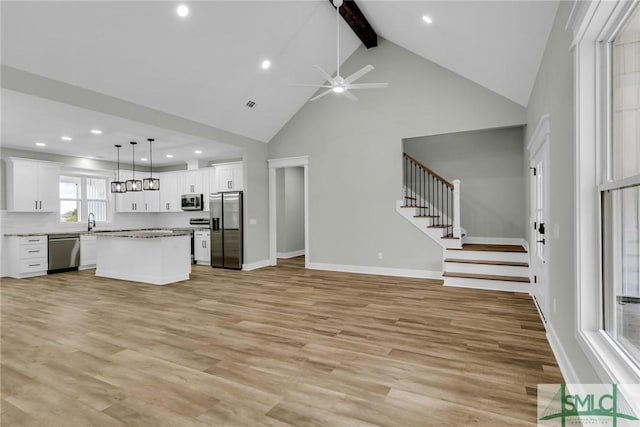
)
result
[(338, 84)]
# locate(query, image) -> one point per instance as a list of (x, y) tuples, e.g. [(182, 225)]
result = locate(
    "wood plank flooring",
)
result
[(281, 346)]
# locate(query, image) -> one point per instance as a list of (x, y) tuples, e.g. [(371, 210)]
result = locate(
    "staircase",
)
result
[(502, 267), (432, 204)]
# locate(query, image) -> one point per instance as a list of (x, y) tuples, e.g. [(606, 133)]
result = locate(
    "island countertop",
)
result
[(144, 234)]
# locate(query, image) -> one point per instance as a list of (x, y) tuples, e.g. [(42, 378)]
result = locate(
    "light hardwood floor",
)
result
[(280, 346)]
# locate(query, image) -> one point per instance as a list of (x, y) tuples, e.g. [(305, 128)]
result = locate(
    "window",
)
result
[(607, 72), (81, 195), (620, 196), (70, 199)]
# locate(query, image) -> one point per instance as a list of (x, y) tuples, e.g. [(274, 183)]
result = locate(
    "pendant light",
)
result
[(134, 184), (151, 183), (118, 186)]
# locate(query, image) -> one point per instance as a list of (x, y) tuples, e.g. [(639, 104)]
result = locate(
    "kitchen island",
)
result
[(157, 257)]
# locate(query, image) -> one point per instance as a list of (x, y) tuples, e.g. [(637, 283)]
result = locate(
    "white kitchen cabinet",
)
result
[(201, 247), (28, 256), (137, 201), (32, 185), (87, 251), (170, 191), (229, 176), (194, 181)]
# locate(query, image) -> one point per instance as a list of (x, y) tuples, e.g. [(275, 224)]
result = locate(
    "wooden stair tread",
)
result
[(489, 247), (415, 207), (440, 226), (426, 216), (487, 262), (450, 236), (410, 198), (488, 277)]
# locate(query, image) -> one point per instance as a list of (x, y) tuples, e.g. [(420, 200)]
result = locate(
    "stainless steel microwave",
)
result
[(191, 202)]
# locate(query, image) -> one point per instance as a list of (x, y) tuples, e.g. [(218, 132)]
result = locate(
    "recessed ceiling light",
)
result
[(198, 152), (96, 131), (427, 19), (90, 157), (143, 159), (265, 64), (169, 156), (66, 138), (41, 144), (182, 10)]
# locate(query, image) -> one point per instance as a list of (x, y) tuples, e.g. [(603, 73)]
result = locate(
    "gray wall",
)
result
[(290, 209), (489, 165), (553, 94), (255, 152), (355, 154)]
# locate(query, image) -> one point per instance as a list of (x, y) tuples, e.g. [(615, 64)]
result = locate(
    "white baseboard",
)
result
[(256, 265), (286, 255), (497, 240), (569, 374), (380, 271)]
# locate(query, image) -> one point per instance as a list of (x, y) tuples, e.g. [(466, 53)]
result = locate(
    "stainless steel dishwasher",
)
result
[(64, 252)]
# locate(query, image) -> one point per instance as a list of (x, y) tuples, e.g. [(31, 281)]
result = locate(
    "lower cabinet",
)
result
[(87, 251), (28, 256), (201, 247)]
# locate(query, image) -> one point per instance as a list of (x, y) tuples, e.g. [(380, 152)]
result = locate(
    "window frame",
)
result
[(594, 25), (84, 200)]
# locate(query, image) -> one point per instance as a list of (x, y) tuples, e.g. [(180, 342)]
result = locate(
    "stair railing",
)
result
[(432, 195)]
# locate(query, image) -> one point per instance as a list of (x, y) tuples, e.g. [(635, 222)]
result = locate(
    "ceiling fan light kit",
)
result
[(338, 84)]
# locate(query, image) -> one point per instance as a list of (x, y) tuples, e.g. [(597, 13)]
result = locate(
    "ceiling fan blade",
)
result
[(349, 95), (306, 85), (361, 72), (326, 92), (325, 74), (367, 86)]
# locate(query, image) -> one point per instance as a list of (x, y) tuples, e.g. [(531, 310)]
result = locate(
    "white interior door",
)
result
[(539, 242)]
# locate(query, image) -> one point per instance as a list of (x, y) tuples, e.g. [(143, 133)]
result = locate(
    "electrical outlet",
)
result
[(554, 305), (252, 221), (379, 255)]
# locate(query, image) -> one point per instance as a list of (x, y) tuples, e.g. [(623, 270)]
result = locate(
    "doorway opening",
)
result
[(289, 209)]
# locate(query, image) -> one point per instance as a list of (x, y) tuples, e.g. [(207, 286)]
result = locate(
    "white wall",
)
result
[(290, 210), (553, 94), (355, 154), (489, 165)]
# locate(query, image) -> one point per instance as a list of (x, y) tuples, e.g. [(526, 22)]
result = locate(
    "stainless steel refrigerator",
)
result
[(226, 229)]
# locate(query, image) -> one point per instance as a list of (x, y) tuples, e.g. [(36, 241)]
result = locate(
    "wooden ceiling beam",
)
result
[(358, 23)]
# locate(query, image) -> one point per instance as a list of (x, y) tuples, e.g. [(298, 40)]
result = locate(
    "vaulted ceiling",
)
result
[(206, 66)]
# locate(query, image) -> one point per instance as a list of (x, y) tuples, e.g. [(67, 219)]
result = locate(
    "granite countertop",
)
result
[(187, 230), (146, 234)]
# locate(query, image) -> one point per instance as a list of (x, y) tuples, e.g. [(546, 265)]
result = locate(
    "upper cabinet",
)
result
[(137, 201), (196, 181), (170, 191), (229, 176), (32, 185)]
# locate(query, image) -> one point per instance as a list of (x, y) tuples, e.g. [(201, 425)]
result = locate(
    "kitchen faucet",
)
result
[(92, 222)]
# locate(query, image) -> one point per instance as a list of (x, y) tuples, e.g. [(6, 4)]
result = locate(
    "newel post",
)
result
[(457, 231)]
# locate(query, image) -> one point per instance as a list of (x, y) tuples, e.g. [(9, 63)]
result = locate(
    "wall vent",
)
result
[(251, 104)]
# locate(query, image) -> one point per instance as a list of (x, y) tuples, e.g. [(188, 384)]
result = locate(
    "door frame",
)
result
[(537, 147), (302, 161)]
